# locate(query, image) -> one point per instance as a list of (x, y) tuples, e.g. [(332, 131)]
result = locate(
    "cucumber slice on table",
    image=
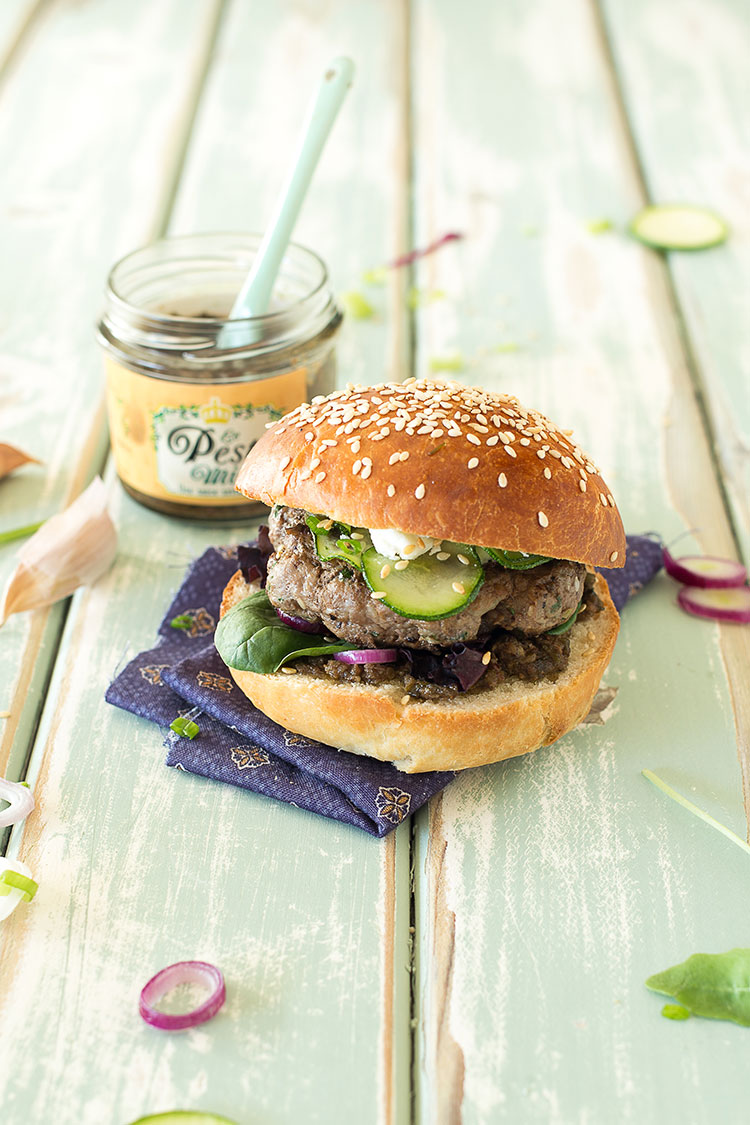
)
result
[(336, 543), (678, 226), (183, 1117), (515, 560), (429, 587)]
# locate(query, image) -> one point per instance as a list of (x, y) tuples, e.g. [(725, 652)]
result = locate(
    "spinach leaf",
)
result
[(251, 638), (714, 985)]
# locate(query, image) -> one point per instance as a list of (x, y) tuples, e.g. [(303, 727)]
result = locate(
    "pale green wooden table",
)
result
[(486, 962)]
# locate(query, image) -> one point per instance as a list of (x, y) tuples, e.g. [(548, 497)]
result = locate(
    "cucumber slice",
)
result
[(183, 1117), (515, 560), (678, 226), (429, 588), (335, 542)]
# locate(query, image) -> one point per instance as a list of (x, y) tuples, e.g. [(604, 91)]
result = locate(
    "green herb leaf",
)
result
[(713, 985), (565, 625), (186, 728), (182, 621), (251, 638)]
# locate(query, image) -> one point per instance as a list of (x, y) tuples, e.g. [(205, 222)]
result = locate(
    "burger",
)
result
[(427, 594)]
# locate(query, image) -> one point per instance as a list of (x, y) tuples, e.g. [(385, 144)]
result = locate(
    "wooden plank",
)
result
[(95, 112), (555, 884), (686, 86), (308, 919)]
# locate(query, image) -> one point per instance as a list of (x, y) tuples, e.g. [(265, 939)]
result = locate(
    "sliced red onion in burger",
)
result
[(299, 623), (367, 656)]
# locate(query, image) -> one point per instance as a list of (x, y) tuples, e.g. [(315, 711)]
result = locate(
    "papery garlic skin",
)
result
[(71, 549)]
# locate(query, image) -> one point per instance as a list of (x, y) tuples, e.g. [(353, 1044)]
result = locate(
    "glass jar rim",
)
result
[(204, 239)]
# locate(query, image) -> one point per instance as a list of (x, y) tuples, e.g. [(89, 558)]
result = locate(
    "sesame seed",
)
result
[(611, 499), (305, 474), (458, 587), (404, 700), (486, 658), (356, 535), (378, 594), (404, 456), (319, 477), (493, 440), (463, 559), (410, 548), (502, 480), (315, 462), (613, 557), (385, 570), (326, 525), (541, 454), (288, 670), (543, 521), (401, 564), (420, 490), (356, 467), (443, 555), (510, 450), (603, 499), (473, 439), (548, 474), (356, 445), (394, 457), (365, 472), (309, 435), (283, 463), (391, 490), (472, 463), (582, 485)]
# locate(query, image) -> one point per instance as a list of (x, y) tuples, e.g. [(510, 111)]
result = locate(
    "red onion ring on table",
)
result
[(182, 972)]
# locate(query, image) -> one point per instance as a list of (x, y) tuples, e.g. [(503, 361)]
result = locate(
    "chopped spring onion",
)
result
[(19, 532), (20, 801), (670, 792), (184, 727), (183, 1117), (707, 571), (731, 605), (182, 621), (357, 306), (16, 885), (182, 973), (678, 226)]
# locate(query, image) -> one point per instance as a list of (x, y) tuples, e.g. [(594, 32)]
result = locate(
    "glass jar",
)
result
[(190, 392)]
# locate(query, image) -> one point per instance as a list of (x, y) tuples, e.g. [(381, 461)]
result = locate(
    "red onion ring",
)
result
[(298, 623), (367, 656), (706, 571), (720, 605), (182, 972)]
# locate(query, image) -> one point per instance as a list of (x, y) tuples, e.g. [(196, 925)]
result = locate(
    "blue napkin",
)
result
[(184, 675)]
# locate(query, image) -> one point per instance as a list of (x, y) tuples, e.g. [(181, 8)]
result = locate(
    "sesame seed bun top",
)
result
[(433, 457)]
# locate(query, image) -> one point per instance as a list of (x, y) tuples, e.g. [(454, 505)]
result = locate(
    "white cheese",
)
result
[(399, 544)]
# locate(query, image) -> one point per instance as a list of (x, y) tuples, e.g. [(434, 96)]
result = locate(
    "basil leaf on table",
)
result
[(714, 985), (251, 638)]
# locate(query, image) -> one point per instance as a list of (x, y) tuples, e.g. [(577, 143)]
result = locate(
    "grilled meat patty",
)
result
[(334, 593)]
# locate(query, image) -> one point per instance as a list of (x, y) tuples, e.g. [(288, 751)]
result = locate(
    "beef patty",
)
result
[(334, 593)]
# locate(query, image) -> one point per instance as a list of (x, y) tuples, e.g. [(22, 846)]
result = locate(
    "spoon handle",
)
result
[(255, 294)]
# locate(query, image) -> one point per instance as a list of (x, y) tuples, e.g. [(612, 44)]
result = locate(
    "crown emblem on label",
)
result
[(215, 411)]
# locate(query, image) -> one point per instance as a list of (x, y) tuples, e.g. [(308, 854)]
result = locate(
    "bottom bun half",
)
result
[(467, 730)]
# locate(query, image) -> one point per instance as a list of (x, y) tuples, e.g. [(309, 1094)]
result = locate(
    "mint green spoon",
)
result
[(255, 294)]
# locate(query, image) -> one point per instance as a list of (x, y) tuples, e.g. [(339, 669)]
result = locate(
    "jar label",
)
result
[(181, 440)]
